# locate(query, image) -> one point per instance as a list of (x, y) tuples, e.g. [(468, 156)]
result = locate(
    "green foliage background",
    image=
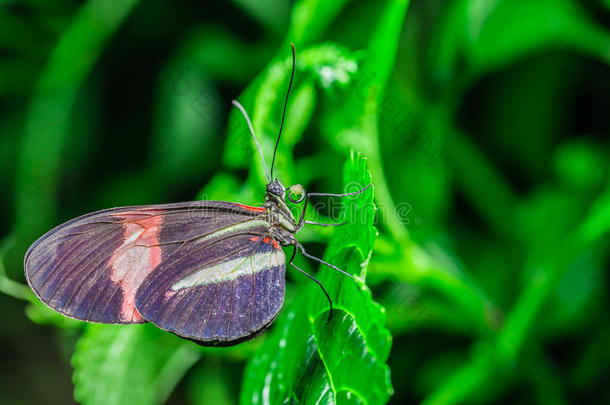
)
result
[(481, 253)]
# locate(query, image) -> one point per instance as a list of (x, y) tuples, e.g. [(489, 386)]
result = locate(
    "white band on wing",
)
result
[(232, 269)]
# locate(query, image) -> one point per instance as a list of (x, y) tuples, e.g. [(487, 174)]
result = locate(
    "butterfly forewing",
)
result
[(92, 267)]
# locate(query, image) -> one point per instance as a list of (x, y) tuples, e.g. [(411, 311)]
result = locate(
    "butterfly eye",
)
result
[(296, 193)]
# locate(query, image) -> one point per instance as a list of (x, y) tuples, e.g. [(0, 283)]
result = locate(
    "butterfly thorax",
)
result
[(283, 223)]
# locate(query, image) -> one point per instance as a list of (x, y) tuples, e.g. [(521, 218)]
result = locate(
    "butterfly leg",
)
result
[(330, 303), (332, 266), (324, 224), (302, 217)]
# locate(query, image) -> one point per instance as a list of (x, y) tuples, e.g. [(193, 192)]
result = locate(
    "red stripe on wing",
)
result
[(251, 208), (136, 258)]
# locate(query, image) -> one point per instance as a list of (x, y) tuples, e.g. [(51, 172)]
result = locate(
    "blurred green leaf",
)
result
[(309, 359), (7, 285), (510, 29), (129, 364), (576, 297), (310, 19), (495, 360), (225, 187), (211, 384), (216, 49), (491, 34), (271, 13), (48, 118), (39, 313), (581, 166), (545, 217), (188, 120)]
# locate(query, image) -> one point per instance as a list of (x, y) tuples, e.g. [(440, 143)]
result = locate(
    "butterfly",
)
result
[(209, 271)]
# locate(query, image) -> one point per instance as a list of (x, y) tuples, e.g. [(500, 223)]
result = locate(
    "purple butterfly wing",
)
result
[(217, 292), (90, 268)]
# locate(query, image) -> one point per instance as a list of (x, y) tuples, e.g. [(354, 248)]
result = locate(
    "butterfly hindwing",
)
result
[(220, 294), (90, 268)]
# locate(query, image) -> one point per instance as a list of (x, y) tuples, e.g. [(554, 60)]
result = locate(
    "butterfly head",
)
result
[(276, 188)]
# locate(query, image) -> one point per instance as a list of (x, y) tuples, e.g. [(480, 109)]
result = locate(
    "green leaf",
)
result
[(312, 360), (129, 364)]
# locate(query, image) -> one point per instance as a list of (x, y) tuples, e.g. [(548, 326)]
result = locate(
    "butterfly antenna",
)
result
[(285, 104), (243, 111)]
